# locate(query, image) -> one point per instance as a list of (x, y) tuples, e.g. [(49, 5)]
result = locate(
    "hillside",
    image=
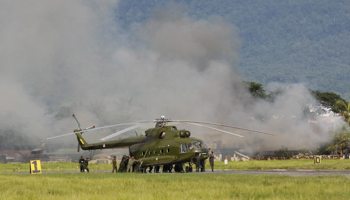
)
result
[(289, 42)]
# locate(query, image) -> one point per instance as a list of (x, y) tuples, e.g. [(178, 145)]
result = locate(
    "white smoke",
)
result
[(55, 54)]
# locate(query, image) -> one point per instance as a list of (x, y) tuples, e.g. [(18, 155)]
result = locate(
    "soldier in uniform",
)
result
[(211, 160), (86, 164), (121, 167), (198, 162), (114, 163), (125, 164), (81, 163), (130, 164)]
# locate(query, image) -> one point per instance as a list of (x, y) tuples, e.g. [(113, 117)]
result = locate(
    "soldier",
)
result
[(202, 166), (121, 167), (125, 164), (86, 164), (121, 164), (81, 163), (198, 162), (211, 160), (130, 163), (114, 163)]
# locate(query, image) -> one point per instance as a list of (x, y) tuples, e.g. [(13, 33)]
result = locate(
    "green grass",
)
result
[(330, 164), (13, 167), (170, 186)]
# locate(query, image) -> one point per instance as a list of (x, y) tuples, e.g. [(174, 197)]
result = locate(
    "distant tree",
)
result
[(341, 138), (329, 99), (345, 107), (256, 89)]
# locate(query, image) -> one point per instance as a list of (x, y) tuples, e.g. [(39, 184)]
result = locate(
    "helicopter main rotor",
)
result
[(161, 122)]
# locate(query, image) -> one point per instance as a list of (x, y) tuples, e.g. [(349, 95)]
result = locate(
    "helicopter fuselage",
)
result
[(160, 146)]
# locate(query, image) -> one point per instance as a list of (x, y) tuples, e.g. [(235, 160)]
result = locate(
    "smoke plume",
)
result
[(64, 57)]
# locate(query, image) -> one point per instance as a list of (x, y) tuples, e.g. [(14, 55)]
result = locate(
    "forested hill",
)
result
[(283, 41)]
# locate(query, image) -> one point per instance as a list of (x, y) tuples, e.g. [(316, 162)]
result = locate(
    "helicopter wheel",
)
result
[(190, 168), (156, 169), (170, 168), (179, 168), (187, 169), (165, 168), (137, 168)]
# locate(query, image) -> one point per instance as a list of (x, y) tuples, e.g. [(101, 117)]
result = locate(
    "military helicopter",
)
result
[(164, 145)]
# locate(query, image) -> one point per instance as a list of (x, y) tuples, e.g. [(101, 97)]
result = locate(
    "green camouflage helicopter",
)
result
[(161, 146)]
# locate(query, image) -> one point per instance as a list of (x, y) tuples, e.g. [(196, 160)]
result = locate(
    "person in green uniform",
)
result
[(86, 164), (121, 167), (211, 160), (125, 163), (81, 163), (114, 163), (198, 161)]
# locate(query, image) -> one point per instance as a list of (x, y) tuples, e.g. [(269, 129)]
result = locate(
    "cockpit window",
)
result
[(190, 147), (202, 144), (162, 135), (196, 146), (183, 148), (173, 128)]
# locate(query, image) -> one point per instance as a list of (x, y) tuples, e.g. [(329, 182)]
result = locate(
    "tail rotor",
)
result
[(81, 131)]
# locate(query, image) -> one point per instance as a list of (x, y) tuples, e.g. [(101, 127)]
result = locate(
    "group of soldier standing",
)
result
[(84, 164), (128, 164), (200, 165)]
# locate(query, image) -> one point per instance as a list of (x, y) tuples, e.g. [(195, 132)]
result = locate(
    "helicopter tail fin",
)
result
[(81, 140)]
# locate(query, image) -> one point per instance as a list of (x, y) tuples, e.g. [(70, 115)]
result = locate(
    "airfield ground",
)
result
[(277, 183)]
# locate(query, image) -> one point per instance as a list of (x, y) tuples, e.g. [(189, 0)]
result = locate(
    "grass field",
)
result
[(330, 164), (170, 186), (15, 185)]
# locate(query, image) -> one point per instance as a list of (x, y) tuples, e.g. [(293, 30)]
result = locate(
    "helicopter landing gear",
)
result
[(167, 168), (179, 168), (137, 168), (189, 169), (156, 169)]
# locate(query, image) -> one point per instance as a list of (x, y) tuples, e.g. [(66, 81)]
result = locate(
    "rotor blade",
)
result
[(125, 130), (77, 121), (93, 129), (222, 125), (89, 128), (215, 129), (60, 136), (148, 122)]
